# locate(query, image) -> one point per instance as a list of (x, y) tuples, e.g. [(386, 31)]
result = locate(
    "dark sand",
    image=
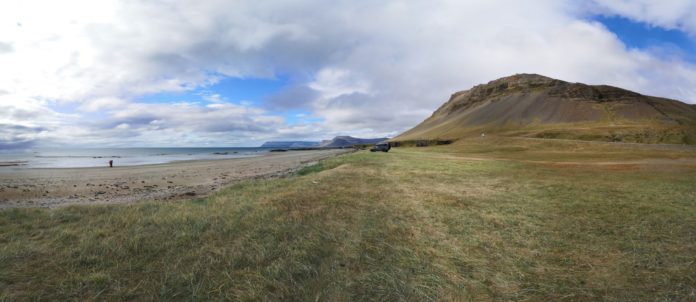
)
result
[(58, 187)]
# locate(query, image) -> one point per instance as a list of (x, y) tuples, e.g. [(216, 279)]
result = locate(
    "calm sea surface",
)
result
[(79, 158)]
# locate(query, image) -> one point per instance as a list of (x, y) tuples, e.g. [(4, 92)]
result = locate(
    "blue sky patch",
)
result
[(638, 35), (294, 117), (233, 90)]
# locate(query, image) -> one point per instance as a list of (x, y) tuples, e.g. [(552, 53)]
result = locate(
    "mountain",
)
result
[(289, 144), (531, 105), (348, 141), (336, 142)]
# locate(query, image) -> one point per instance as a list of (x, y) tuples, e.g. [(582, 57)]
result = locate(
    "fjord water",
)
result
[(99, 157)]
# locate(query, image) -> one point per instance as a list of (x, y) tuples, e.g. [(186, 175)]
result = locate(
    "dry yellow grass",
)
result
[(471, 221)]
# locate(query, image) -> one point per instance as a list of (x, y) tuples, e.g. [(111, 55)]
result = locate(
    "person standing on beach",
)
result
[(111, 163)]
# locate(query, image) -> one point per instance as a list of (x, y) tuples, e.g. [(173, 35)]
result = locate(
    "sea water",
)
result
[(100, 157)]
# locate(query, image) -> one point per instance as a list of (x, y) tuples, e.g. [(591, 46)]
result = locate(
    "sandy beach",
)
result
[(57, 187)]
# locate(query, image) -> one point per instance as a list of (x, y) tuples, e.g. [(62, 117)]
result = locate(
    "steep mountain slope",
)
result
[(532, 105)]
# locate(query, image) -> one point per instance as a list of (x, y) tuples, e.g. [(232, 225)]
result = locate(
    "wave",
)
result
[(75, 156), (13, 163)]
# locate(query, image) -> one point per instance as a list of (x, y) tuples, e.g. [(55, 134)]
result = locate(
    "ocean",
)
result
[(99, 157)]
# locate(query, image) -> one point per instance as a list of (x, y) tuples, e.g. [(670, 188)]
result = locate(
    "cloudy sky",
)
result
[(237, 73)]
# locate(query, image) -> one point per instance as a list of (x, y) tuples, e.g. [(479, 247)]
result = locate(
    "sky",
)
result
[(159, 73)]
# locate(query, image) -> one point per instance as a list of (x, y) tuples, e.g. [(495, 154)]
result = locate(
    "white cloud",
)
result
[(332, 83), (670, 14), (357, 67), (102, 103), (215, 98), (123, 126)]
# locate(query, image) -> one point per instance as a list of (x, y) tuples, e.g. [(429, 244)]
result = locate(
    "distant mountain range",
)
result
[(289, 144), (530, 105), (336, 142), (349, 141)]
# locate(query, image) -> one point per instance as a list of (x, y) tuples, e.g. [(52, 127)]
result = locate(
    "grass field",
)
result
[(611, 130), (479, 220)]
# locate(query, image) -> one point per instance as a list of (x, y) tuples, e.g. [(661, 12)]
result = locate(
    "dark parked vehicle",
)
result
[(383, 146)]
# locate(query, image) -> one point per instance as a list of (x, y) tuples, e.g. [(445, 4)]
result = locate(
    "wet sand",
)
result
[(57, 187)]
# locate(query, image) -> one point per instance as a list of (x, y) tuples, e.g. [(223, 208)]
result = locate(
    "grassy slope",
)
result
[(470, 221), (627, 117), (649, 132)]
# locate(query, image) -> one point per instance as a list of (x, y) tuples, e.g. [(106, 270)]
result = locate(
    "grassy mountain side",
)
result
[(537, 106)]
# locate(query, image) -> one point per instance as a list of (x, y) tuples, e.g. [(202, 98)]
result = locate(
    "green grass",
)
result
[(479, 222), (610, 130), (315, 168)]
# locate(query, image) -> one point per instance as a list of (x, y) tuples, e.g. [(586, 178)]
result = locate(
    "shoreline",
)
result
[(126, 166), (54, 187)]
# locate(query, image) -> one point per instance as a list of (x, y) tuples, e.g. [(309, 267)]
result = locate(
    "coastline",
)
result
[(53, 187)]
